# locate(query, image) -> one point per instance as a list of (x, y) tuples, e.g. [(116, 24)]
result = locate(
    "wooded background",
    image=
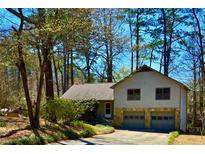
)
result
[(46, 51)]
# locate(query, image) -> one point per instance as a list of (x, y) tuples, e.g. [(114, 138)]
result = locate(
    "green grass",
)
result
[(87, 130), (90, 130), (172, 136), (32, 140), (105, 129), (36, 140), (2, 123)]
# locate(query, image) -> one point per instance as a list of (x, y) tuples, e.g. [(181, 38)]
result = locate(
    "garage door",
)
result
[(134, 120), (163, 120)]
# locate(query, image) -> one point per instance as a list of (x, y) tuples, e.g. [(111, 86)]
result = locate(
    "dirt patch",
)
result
[(15, 128), (190, 139)]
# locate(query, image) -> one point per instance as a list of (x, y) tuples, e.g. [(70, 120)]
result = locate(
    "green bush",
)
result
[(87, 130), (2, 113), (2, 123), (78, 124), (90, 114), (105, 129), (172, 136), (64, 110), (70, 134), (50, 139)]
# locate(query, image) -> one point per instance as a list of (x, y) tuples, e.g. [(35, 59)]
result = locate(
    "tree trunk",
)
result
[(22, 68), (194, 92), (46, 47), (170, 42), (165, 41), (71, 67), (68, 71), (65, 84), (61, 73), (131, 37), (137, 40), (151, 58), (161, 63), (56, 76), (39, 95), (48, 77), (201, 63), (109, 67), (87, 57)]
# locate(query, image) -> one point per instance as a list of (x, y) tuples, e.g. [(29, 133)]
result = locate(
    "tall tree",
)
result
[(110, 39), (201, 61)]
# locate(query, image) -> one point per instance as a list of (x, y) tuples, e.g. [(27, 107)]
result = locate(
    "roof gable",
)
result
[(146, 68)]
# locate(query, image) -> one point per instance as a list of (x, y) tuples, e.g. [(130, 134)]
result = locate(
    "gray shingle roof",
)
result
[(98, 91)]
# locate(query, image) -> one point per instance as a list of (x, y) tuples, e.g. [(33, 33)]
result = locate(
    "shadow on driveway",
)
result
[(87, 142), (148, 130)]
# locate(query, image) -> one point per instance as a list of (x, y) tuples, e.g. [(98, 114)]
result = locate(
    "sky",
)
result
[(7, 20)]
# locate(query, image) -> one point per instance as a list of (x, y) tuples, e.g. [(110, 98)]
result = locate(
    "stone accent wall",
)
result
[(118, 115), (147, 119), (177, 119)]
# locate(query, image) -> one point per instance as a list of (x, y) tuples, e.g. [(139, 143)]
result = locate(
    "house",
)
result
[(144, 99), (100, 91)]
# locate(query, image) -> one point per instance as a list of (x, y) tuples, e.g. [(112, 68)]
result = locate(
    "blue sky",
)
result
[(7, 20)]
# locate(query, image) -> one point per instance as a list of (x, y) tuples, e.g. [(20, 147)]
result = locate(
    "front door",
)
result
[(108, 110)]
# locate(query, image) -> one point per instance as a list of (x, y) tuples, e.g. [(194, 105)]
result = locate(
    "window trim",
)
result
[(133, 90), (162, 88)]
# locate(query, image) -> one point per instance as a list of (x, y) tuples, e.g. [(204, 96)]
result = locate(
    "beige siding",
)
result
[(147, 82), (101, 109)]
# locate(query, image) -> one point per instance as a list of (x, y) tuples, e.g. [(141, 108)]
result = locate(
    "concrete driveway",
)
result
[(121, 137)]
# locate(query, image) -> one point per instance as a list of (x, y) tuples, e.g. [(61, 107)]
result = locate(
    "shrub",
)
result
[(87, 130), (2, 123), (24, 113), (50, 139), (105, 129), (78, 124), (64, 110), (2, 113), (70, 134), (90, 114), (172, 136)]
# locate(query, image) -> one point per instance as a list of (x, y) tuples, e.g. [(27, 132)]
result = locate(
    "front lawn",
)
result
[(17, 131), (177, 138)]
